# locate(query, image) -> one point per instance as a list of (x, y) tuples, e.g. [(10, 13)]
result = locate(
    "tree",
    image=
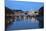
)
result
[(41, 11)]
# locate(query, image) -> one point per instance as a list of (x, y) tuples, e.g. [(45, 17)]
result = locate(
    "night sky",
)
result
[(22, 5)]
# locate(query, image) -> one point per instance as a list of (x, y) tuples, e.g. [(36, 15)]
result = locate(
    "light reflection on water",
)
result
[(23, 24)]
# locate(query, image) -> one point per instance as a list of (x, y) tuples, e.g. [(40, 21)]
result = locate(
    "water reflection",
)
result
[(24, 23)]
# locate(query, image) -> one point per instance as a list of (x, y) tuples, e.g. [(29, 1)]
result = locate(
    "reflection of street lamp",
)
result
[(32, 12)]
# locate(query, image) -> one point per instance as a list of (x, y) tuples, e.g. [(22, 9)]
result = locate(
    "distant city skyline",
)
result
[(25, 6)]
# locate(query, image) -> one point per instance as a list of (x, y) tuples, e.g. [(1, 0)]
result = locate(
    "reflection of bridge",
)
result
[(24, 16), (24, 22), (27, 20)]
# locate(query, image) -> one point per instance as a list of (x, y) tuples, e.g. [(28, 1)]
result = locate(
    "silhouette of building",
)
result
[(8, 16)]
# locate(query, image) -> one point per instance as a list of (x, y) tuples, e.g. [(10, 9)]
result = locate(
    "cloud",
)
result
[(29, 0)]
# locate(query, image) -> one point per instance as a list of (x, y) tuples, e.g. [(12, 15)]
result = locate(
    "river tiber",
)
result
[(23, 18), (20, 15), (18, 19)]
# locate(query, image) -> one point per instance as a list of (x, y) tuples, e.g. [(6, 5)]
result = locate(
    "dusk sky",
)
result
[(22, 5)]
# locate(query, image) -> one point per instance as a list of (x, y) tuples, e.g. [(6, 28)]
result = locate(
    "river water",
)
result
[(24, 24)]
